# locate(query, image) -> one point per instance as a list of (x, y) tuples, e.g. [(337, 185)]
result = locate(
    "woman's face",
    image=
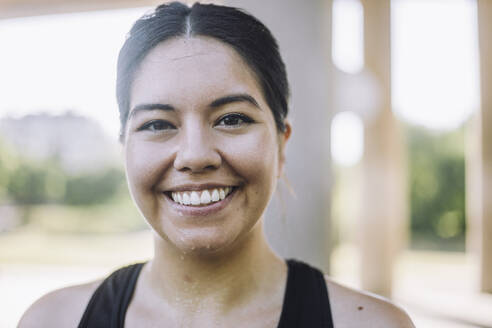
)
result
[(202, 150)]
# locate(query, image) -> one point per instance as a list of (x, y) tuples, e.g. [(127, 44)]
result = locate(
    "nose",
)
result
[(196, 151)]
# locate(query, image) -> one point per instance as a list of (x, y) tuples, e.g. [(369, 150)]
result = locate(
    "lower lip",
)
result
[(202, 210)]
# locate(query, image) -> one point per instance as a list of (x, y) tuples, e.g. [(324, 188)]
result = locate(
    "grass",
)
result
[(91, 235), (36, 247), (106, 218)]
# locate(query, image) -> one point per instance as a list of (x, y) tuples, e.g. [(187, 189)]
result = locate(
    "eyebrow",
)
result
[(235, 98), (145, 107), (222, 101)]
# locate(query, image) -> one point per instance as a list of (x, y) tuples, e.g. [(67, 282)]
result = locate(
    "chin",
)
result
[(203, 241)]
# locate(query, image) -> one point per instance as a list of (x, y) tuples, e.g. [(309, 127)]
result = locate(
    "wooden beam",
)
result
[(384, 188), (485, 44)]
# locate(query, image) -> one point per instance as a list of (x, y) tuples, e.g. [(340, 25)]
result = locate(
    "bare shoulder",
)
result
[(60, 308), (352, 308)]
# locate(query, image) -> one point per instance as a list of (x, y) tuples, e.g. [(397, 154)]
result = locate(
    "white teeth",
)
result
[(186, 199), (205, 197), (215, 196), (200, 198), (195, 200)]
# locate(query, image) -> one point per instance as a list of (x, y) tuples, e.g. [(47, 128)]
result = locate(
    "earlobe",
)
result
[(283, 138), (288, 130)]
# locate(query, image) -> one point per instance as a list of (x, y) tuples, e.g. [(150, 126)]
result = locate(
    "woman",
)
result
[(202, 93)]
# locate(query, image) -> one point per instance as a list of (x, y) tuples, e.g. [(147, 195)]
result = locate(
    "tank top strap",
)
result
[(107, 306), (306, 300)]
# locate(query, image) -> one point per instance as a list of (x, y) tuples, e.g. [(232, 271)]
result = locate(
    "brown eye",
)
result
[(234, 120), (157, 125)]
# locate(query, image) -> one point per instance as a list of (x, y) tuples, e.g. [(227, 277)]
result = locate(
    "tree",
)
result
[(437, 187)]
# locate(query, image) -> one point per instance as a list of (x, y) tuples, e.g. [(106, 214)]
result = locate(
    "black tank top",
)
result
[(306, 302)]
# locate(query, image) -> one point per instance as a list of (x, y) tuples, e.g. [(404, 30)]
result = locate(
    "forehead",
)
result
[(190, 70)]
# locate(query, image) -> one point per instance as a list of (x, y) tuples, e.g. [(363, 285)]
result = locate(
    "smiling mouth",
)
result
[(200, 197)]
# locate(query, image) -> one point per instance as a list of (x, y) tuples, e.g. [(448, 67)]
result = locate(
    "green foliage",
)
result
[(50, 199), (8, 162), (90, 189), (25, 181), (27, 185), (437, 188)]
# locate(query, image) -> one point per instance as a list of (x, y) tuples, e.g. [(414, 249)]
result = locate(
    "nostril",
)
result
[(192, 160), (185, 169), (198, 170)]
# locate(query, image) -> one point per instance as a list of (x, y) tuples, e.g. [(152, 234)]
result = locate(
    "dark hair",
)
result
[(243, 32)]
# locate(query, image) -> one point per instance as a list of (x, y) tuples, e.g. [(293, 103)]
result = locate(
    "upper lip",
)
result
[(197, 187)]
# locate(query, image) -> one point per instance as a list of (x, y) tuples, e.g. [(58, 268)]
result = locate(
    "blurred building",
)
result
[(78, 143)]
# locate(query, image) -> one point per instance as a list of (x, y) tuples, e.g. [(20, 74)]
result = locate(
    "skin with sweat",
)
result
[(194, 143)]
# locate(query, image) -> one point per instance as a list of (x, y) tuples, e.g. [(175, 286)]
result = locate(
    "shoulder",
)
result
[(352, 308), (60, 308)]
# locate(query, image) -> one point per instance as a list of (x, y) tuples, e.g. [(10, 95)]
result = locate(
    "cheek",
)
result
[(254, 156), (144, 163)]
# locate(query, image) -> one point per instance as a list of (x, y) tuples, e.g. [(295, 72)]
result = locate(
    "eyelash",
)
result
[(151, 126), (161, 125), (245, 120)]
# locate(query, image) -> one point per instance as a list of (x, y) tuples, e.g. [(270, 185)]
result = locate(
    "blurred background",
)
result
[(390, 161)]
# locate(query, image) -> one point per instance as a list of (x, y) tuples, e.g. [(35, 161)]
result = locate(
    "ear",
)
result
[(283, 137)]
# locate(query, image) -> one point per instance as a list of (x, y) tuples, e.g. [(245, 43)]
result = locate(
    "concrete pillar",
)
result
[(384, 189), (299, 226), (485, 231)]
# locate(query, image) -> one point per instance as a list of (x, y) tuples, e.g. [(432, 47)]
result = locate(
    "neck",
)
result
[(250, 268)]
